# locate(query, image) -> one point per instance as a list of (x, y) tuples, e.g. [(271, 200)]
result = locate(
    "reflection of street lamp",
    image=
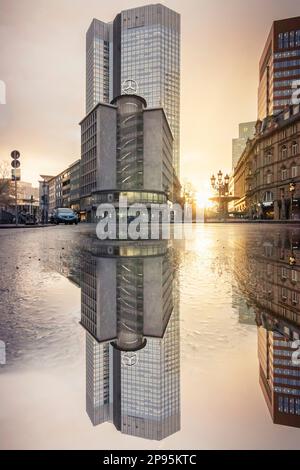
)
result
[(292, 192)]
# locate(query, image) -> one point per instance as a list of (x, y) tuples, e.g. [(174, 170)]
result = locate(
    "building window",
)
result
[(269, 178), (284, 174), (294, 171), (294, 129), (284, 293), (284, 152), (294, 276), (292, 39), (286, 40), (280, 41), (284, 273), (268, 157), (294, 148), (268, 197)]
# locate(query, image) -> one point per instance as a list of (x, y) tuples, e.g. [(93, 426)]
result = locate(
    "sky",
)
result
[(42, 63)]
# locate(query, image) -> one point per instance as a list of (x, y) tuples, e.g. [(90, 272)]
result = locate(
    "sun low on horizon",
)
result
[(203, 196)]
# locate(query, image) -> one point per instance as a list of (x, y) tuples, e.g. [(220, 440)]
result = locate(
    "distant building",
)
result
[(126, 151), (27, 193), (75, 185), (246, 131), (44, 189), (62, 190), (66, 187), (27, 200), (279, 67)]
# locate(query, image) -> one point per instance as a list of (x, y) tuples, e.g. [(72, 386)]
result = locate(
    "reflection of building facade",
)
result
[(126, 151), (132, 339), (138, 51), (267, 176), (278, 376), (269, 276), (279, 67)]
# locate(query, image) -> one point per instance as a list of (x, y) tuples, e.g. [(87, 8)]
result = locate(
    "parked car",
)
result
[(64, 216)]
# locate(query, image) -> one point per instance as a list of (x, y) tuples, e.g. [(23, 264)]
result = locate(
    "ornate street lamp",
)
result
[(220, 177), (221, 186), (213, 181)]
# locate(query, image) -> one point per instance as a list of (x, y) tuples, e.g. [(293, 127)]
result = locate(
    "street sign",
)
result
[(15, 163), (15, 174), (15, 154)]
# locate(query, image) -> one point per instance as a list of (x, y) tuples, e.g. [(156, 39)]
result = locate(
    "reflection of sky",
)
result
[(42, 50), (221, 401)]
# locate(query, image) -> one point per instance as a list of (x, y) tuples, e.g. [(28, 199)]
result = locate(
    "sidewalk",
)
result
[(6, 226), (247, 221)]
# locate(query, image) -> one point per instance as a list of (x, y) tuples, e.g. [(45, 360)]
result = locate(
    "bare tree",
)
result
[(6, 193)]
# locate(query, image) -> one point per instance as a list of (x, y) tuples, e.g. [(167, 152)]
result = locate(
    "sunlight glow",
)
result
[(202, 197)]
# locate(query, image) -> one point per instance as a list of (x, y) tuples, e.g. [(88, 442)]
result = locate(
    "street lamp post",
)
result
[(221, 186), (292, 192)]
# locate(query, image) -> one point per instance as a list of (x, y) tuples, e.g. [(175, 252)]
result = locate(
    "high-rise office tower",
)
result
[(246, 131), (98, 46), (138, 52), (279, 67)]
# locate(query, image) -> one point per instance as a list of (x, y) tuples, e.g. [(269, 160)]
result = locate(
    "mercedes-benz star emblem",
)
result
[(129, 359), (129, 87)]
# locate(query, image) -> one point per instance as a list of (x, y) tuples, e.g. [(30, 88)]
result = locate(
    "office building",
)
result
[(75, 186), (138, 52), (62, 190), (246, 131), (126, 151), (279, 67)]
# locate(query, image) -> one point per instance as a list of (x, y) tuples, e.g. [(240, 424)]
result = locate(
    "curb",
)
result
[(12, 226)]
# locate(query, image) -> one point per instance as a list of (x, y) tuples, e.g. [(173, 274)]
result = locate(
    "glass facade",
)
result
[(142, 44), (130, 146), (150, 55), (279, 67), (97, 64)]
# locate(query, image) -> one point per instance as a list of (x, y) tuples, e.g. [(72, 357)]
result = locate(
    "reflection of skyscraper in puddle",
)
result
[(279, 378), (132, 342), (270, 277)]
